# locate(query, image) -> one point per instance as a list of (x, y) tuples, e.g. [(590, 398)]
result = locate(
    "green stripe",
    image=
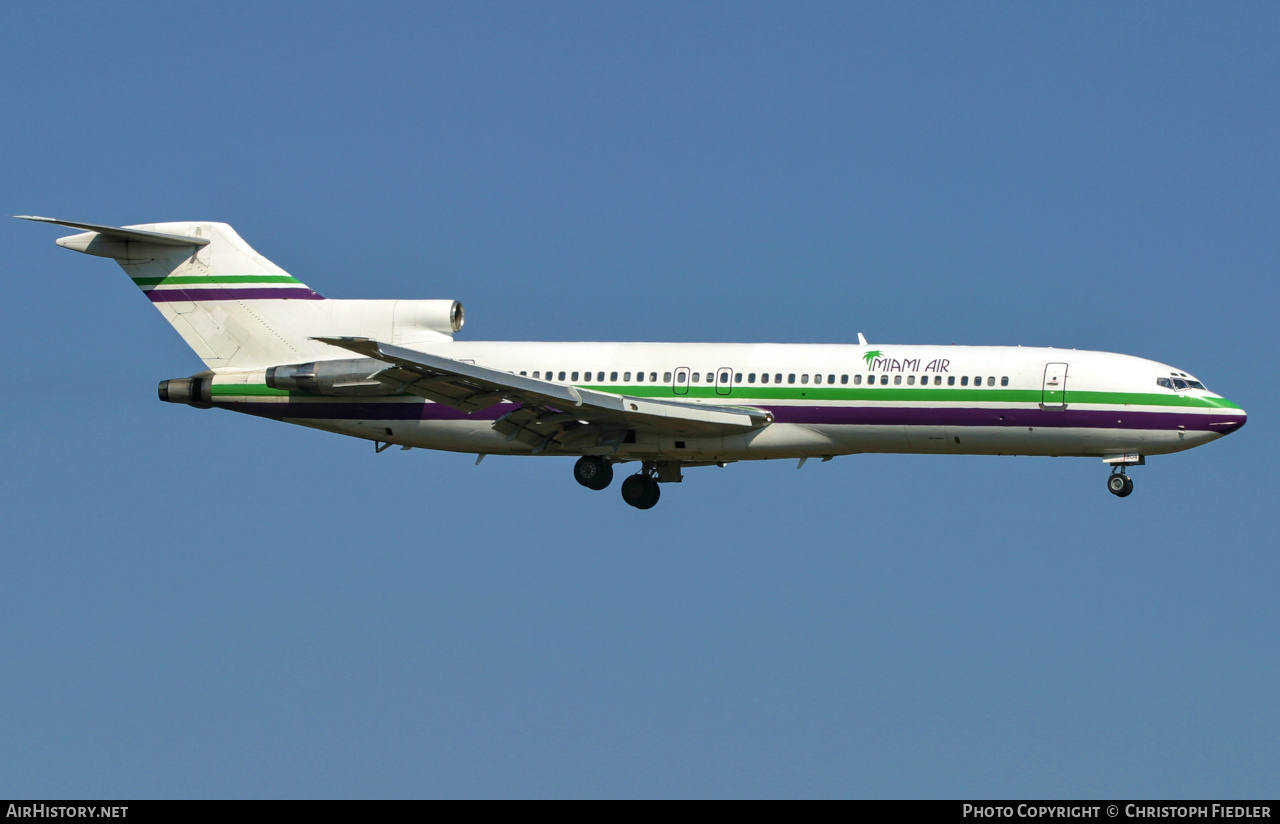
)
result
[(245, 389), (166, 281), (904, 394), (901, 395)]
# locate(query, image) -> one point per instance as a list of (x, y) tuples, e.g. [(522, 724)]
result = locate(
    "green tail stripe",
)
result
[(215, 279)]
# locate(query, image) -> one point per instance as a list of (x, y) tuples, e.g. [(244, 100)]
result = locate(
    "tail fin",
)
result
[(234, 307)]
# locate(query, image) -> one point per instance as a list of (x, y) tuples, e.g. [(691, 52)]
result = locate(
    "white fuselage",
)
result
[(826, 400)]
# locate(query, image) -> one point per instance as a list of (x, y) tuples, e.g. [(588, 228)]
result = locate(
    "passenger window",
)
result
[(884, 380), (737, 378), (613, 377), (964, 381), (1004, 381), (791, 378), (831, 378), (666, 377), (562, 376), (575, 376), (777, 377), (911, 380), (764, 377), (844, 378), (817, 379), (536, 373), (626, 377), (804, 378), (639, 377), (991, 381), (951, 380), (696, 376), (857, 380), (751, 378)]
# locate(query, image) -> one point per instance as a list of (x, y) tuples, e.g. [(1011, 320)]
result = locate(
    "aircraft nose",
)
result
[(1236, 420)]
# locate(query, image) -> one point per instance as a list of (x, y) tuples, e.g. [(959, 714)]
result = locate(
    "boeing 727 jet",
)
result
[(391, 372)]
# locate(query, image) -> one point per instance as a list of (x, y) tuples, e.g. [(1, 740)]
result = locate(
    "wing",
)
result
[(584, 420)]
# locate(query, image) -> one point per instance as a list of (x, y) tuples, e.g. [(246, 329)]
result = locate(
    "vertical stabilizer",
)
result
[(237, 309)]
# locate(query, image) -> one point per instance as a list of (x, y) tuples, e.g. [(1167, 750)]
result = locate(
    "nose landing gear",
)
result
[(1120, 484)]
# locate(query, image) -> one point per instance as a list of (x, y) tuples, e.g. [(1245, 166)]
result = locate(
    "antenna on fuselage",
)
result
[(862, 341)]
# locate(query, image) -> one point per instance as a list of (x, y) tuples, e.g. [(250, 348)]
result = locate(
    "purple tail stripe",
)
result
[(208, 293)]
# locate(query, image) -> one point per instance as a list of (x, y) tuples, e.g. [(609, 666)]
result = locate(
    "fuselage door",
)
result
[(724, 381), (1055, 387), (681, 381)]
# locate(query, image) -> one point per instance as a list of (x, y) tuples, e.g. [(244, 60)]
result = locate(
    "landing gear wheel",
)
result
[(593, 473), (640, 491), (1120, 485)]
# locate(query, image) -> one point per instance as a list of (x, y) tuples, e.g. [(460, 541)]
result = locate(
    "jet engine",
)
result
[(444, 316), (336, 377), (193, 391)]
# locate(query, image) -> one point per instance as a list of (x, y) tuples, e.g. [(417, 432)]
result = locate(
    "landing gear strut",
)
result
[(593, 473), (1120, 484)]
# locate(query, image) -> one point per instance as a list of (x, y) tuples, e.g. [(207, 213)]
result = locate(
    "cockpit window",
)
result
[(1180, 384)]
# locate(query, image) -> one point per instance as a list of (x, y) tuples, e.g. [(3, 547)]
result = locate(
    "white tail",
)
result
[(237, 309)]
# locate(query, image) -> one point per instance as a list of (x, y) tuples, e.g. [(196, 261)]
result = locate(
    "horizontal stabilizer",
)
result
[(127, 235)]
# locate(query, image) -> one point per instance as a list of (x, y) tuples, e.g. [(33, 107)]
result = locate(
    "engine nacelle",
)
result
[(193, 391), (393, 321), (444, 316), (353, 376)]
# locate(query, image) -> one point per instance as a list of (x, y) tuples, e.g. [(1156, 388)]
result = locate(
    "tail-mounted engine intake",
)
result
[(337, 377), (193, 391), (444, 316)]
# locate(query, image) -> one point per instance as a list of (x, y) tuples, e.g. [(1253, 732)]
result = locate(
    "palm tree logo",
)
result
[(870, 357)]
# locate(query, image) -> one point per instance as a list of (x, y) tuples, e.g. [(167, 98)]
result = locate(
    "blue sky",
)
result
[(198, 604)]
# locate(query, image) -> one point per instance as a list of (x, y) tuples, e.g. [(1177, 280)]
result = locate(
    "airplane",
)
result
[(391, 372)]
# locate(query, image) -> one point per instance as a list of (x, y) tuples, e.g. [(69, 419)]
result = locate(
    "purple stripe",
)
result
[(1224, 423), (214, 293), (1118, 418)]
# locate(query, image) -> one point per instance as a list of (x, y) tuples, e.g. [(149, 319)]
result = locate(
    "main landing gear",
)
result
[(1120, 484), (593, 473), (639, 490)]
